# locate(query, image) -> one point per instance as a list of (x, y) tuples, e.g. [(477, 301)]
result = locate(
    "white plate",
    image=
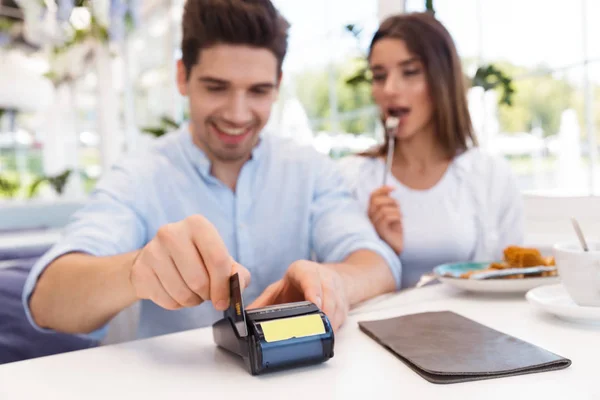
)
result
[(499, 285), (488, 285), (555, 300)]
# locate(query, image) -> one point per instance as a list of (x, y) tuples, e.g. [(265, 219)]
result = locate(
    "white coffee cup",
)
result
[(579, 271)]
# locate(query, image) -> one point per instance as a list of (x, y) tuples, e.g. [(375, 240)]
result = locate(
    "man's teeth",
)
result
[(232, 131)]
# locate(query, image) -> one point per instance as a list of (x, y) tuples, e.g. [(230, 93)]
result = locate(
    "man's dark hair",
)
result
[(255, 23)]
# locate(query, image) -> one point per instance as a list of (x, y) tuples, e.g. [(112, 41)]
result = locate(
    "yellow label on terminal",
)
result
[(287, 328)]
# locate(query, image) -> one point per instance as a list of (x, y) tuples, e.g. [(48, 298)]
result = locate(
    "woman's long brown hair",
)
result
[(429, 40)]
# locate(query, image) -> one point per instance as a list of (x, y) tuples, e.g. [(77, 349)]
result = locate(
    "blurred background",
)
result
[(84, 82)]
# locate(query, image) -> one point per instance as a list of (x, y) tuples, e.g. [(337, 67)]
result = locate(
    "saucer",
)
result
[(554, 299)]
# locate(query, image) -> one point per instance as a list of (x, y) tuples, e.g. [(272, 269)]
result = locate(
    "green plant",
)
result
[(95, 30), (490, 77), (429, 6), (6, 24), (57, 182), (9, 187), (167, 124), (361, 74)]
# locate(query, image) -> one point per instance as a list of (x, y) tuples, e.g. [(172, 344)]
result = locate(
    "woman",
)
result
[(445, 200)]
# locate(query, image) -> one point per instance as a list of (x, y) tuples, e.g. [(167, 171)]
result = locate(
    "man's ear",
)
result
[(182, 79)]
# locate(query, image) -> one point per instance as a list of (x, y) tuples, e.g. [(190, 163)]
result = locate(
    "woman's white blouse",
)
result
[(458, 219)]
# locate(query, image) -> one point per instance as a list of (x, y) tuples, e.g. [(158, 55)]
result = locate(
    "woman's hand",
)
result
[(384, 213)]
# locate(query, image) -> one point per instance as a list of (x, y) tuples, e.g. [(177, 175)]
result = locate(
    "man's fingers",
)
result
[(190, 266), (161, 297), (217, 260), (172, 282), (330, 304), (148, 286), (243, 273), (341, 310), (156, 257), (309, 282), (338, 318)]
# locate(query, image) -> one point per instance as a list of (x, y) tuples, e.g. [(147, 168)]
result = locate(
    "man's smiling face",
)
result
[(231, 91)]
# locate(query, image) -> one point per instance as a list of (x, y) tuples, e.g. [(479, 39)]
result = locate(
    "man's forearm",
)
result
[(365, 275), (79, 293)]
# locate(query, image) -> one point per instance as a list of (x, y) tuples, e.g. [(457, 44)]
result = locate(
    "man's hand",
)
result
[(384, 213), (317, 283), (185, 264)]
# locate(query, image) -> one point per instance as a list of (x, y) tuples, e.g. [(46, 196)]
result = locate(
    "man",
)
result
[(213, 199)]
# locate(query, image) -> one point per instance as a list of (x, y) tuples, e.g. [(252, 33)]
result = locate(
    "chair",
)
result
[(29, 229), (18, 339)]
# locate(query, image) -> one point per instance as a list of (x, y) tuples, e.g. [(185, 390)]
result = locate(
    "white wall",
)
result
[(548, 219)]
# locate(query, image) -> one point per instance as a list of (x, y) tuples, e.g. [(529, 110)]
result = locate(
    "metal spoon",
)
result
[(580, 234), (391, 125)]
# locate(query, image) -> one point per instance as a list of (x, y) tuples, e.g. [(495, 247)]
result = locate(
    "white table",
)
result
[(188, 363)]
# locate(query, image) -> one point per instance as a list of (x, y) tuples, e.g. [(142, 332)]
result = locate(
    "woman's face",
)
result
[(400, 86)]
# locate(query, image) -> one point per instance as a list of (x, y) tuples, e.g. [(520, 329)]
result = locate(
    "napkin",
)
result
[(444, 347)]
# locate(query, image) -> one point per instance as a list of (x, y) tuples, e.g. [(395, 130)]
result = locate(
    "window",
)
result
[(550, 133), (152, 71), (316, 103), (49, 139)]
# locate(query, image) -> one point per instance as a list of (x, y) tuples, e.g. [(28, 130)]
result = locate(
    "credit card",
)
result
[(236, 306)]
